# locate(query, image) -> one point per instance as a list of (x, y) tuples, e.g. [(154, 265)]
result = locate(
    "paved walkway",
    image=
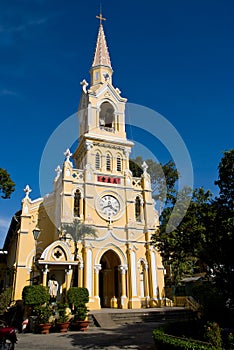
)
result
[(136, 336)]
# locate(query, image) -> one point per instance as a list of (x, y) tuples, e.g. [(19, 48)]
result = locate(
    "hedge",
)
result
[(35, 295), (169, 342)]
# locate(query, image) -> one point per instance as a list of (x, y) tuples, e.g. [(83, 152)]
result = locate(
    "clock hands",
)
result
[(113, 209), (109, 206)]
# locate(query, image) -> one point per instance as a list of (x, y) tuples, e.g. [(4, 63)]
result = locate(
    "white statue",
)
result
[(53, 287)]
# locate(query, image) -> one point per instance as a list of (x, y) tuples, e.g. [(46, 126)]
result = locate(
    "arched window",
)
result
[(138, 209), (97, 161), (108, 162), (106, 117), (77, 199), (119, 164), (142, 279)]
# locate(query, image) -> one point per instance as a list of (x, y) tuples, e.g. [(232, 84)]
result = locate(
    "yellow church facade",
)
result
[(94, 186)]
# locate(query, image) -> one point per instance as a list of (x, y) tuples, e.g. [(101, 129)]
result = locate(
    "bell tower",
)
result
[(101, 116)]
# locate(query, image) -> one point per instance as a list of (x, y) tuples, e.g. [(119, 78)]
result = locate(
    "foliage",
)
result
[(7, 186), (192, 328), (225, 181), (35, 295), (229, 344), (63, 316), (222, 257), (79, 297), (167, 342), (203, 240), (163, 178), (78, 231), (183, 247), (44, 313), (212, 301), (5, 300), (213, 335)]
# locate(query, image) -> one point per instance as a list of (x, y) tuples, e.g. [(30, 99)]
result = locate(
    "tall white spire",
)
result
[(101, 70), (101, 56)]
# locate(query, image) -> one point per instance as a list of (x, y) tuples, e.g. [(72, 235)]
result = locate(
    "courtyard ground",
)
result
[(130, 336)]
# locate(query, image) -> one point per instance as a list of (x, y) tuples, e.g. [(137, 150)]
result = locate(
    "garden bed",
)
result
[(165, 341)]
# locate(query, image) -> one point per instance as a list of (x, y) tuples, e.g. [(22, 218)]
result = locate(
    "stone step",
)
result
[(165, 316), (104, 320), (110, 319)]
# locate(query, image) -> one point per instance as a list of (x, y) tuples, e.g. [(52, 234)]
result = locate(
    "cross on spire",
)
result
[(101, 18)]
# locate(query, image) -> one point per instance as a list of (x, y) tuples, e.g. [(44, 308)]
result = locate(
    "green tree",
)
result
[(183, 246), (78, 231), (163, 178), (225, 181), (206, 233), (221, 254), (7, 186)]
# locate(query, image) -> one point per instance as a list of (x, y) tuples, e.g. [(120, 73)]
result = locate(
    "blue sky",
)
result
[(175, 57)]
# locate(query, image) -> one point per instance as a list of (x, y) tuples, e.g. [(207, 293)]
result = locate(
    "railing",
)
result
[(78, 174), (186, 301), (192, 304), (107, 129), (180, 301)]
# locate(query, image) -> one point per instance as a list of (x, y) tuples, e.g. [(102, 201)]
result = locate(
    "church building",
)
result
[(95, 187)]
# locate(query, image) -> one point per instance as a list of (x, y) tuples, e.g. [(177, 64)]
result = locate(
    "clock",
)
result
[(109, 205)]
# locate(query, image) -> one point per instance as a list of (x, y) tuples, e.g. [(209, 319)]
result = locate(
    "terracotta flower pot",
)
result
[(79, 325), (83, 325), (63, 326), (45, 328)]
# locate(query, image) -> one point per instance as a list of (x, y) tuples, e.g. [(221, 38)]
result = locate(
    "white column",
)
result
[(133, 266), (80, 274), (154, 273), (45, 272), (97, 268), (123, 297), (68, 277), (89, 271)]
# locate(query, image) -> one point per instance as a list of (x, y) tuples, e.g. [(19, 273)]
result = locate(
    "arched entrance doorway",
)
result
[(109, 280)]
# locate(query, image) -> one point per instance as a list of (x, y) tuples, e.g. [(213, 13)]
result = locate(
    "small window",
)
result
[(97, 161), (138, 209), (119, 164), (96, 76), (108, 162), (77, 200)]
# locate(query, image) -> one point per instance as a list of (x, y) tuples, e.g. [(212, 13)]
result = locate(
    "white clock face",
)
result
[(109, 205)]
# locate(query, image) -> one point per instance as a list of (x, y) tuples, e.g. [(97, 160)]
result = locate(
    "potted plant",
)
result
[(34, 296), (44, 316), (78, 297), (63, 317)]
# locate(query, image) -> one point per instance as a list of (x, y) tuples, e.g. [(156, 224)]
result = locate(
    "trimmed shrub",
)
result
[(35, 295), (169, 342), (79, 297)]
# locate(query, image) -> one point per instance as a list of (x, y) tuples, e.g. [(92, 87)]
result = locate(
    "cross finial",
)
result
[(101, 18), (27, 190), (67, 154)]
